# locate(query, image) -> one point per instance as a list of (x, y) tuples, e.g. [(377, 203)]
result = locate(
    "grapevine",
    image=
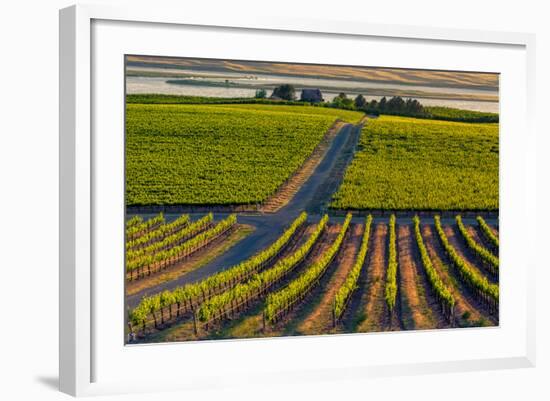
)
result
[(160, 233), (487, 232), (441, 291), (136, 258), (391, 274), (283, 300), (192, 295), (134, 221), (260, 282), (486, 292), (136, 230), (490, 260), (174, 254), (345, 291)]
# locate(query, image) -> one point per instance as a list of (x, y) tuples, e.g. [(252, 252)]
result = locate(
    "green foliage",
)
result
[(345, 291), (479, 250), (342, 102), (285, 92), (441, 291), (259, 281), (451, 114), (224, 279), (410, 107), (390, 293), (134, 221), (218, 154), (133, 255), (407, 163), (478, 283), (137, 229), (487, 232), (360, 102), (261, 94), (159, 233), (413, 108), (382, 105), (171, 251), (284, 299)]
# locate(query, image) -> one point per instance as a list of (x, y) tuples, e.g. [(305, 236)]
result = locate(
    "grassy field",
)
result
[(414, 164), (451, 114), (179, 99), (218, 154)]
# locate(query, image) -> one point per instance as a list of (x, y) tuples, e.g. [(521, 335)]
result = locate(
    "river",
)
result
[(222, 84)]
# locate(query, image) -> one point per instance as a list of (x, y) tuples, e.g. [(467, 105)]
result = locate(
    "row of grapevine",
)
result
[(136, 230), (282, 301), (228, 301), (139, 257), (188, 297), (158, 234), (163, 259), (489, 260), (134, 221), (350, 284), (391, 274), (485, 292), (487, 232), (441, 291)]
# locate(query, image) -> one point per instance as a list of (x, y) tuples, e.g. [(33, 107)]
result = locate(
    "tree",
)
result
[(396, 105), (382, 104), (261, 94), (343, 102), (413, 107), (372, 108), (285, 92), (360, 102)]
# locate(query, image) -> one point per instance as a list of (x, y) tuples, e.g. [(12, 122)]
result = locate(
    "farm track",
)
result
[(367, 310), (465, 301), (291, 187), (183, 329), (268, 226), (416, 312), (134, 299), (372, 313), (460, 245), (321, 199), (319, 321), (249, 324)]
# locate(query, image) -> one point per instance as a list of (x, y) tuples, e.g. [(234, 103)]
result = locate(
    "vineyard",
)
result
[(414, 164), (285, 286), (254, 218), (205, 154)]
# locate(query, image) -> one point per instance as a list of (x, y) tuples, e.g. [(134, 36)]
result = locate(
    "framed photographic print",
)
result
[(300, 201)]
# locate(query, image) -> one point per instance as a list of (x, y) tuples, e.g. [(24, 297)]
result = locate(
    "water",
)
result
[(245, 85)]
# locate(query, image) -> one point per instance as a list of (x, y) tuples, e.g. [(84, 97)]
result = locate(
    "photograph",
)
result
[(275, 199)]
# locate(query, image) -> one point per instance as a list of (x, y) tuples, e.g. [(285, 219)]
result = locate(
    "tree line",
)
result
[(395, 105)]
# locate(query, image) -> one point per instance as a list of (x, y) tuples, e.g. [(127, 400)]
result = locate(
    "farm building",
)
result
[(311, 95)]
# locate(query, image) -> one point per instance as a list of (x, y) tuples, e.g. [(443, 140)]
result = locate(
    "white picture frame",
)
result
[(82, 345)]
